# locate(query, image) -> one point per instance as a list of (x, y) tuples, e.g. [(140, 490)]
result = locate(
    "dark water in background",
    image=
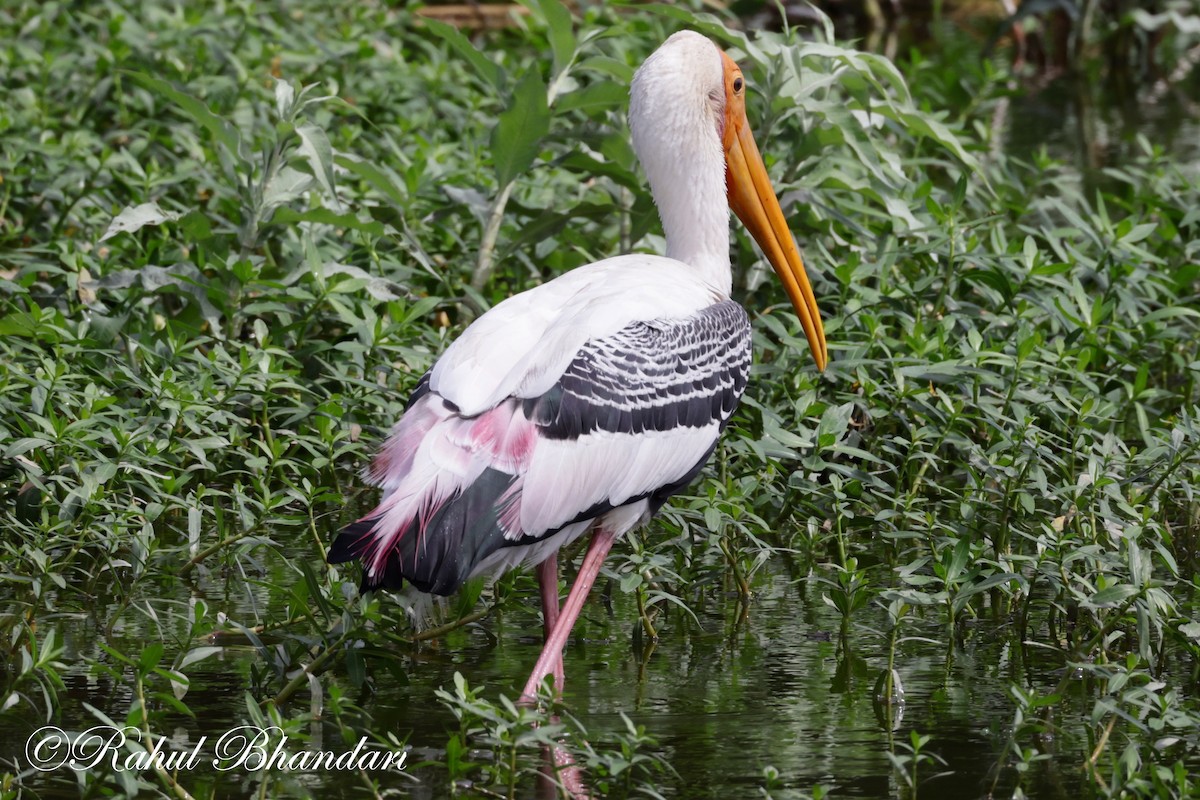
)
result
[(1096, 125), (730, 699)]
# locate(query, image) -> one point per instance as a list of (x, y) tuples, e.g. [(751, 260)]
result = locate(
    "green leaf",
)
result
[(712, 518), (221, 129), (315, 148), (420, 309), (325, 216), (373, 175), (921, 124), (518, 134), (604, 94), (378, 288), (869, 66), (150, 656), (655, 596), (487, 69), (199, 654), (195, 226), (834, 424), (1048, 270), (1168, 312), (618, 71), (956, 561), (1113, 595), (630, 581), (992, 278), (25, 444), (356, 668), (1139, 232), (999, 579), (284, 186), (706, 24), (561, 33), (134, 218), (18, 323), (285, 98)]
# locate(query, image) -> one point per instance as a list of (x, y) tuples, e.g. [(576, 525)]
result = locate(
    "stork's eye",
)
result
[(737, 85)]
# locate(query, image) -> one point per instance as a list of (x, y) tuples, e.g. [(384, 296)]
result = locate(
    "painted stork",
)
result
[(578, 407)]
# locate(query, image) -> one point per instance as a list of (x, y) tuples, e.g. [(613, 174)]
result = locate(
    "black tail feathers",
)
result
[(456, 537), (350, 545)]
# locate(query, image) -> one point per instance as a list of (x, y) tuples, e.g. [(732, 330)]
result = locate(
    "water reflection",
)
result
[(1083, 95), (726, 702), (1091, 126)]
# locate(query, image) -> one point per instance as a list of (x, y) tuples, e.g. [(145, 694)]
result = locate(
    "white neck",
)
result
[(690, 195), (674, 126)]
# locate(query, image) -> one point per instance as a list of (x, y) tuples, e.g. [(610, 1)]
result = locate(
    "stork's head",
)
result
[(687, 107)]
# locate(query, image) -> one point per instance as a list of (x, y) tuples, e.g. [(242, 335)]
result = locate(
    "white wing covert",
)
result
[(633, 415)]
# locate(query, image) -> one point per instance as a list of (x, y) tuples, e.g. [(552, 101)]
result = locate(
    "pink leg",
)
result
[(561, 769), (568, 773), (547, 573), (602, 541)]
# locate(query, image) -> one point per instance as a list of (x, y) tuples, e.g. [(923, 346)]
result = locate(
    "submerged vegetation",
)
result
[(231, 240)]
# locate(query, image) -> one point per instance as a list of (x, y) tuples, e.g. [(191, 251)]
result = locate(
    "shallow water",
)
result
[(1087, 125), (726, 701), (723, 701)]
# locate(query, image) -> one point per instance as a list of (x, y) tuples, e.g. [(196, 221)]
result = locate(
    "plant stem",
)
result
[(487, 245), (743, 587), (647, 625), (161, 773), (301, 678), (208, 551), (433, 633)]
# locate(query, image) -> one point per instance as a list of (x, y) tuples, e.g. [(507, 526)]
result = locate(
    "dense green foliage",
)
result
[(232, 238)]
